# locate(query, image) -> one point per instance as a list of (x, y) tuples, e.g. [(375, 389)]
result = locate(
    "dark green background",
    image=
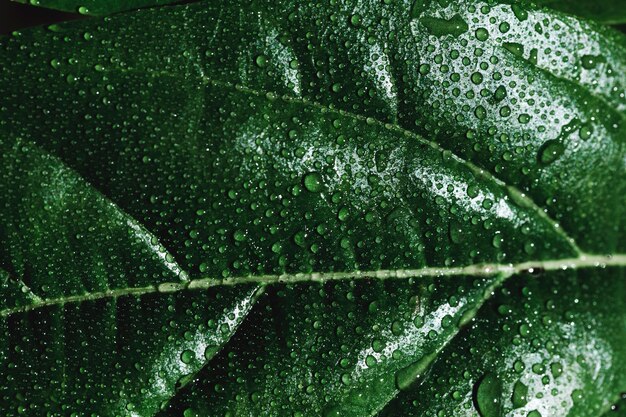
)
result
[(15, 16)]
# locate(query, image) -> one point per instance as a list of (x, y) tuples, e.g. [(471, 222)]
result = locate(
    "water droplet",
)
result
[(355, 20), (261, 61), (456, 232), (515, 48), (524, 118), (519, 12), (187, 356), (499, 94), (189, 413), (210, 351), (550, 152), (488, 396), (313, 182), (520, 395), (477, 78), (239, 235), (585, 132), (557, 369), (472, 191), (454, 26), (590, 62), (482, 34), (406, 376), (83, 10), (277, 247)]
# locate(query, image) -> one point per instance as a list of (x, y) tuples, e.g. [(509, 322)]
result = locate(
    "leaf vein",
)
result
[(584, 261)]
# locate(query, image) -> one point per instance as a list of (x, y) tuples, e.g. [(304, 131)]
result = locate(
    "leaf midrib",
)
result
[(476, 270)]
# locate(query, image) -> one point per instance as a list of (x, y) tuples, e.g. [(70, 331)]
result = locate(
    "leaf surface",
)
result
[(384, 168), (611, 11)]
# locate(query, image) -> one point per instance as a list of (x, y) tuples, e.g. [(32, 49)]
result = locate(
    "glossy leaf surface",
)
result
[(385, 173), (611, 12)]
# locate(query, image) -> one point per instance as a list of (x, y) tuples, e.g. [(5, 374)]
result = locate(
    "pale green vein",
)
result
[(584, 261)]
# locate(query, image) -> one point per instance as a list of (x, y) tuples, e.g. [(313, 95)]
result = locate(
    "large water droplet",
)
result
[(520, 395), (488, 396), (313, 182), (406, 376), (454, 26), (550, 152)]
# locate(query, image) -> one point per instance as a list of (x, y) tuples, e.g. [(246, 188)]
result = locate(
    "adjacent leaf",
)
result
[(268, 144), (611, 11), (97, 7)]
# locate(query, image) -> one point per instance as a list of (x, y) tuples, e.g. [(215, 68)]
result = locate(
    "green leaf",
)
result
[(379, 169), (90, 302), (96, 7), (611, 11)]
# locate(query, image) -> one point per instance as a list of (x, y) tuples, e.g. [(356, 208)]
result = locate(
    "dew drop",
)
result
[(343, 213), (313, 182), (487, 396), (355, 20), (586, 130), (482, 34), (261, 61), (515, 48), (590, 62), (239, 236), (187, 356), (406, 376), (550, 152), (520, 395), (454, 26), (210, 351)]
